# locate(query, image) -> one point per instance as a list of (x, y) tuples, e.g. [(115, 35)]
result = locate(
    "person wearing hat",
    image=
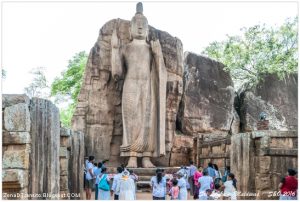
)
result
[(289, 186), (126, 187), (182, 184)]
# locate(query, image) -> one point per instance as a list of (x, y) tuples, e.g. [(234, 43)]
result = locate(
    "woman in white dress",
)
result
[(126, 187), (230, 187), (103, 194), (182, 186)]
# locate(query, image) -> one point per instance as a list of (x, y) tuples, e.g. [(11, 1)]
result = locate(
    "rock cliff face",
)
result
[(98, 113), (208, 97), (277, 98)]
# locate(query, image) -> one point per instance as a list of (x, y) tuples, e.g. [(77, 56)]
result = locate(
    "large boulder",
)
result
[(98, 112), (277, 98), (208, 97)]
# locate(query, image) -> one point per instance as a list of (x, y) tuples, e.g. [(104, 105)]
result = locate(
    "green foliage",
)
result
[(66, 115), (259, 50), (68, 85), (39, 85)]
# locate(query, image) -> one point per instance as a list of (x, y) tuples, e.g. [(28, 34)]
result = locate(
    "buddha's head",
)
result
[(139, 24)]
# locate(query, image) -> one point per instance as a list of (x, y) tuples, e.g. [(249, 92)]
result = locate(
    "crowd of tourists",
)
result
[(200, 183)]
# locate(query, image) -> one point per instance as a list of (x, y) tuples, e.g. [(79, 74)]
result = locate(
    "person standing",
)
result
[(89, 177), (197, 175), (218, 178), (227, 171), (97, 172), (230, 187), (116, 180), (182, 186), (103, 186), (159, 185), (126, 187), (211, 171), (191, 172), (205, 183), (289, 186), (174, 191)]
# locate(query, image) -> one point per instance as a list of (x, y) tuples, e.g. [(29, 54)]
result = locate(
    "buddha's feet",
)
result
[(132, 162), (146, 163)]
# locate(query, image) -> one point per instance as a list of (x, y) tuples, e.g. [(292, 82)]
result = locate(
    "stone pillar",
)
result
[(241, 161), (76, 165), (44, 157), (64, 158), (15, 146)]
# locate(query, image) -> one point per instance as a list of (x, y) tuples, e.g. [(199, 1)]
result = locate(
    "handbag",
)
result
[(103, 184)]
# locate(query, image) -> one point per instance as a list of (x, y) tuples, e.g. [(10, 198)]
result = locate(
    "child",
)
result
[(174, 191), (208, 194)]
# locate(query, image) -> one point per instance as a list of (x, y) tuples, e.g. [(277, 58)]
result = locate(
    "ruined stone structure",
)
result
[(260, 159), (34, 160), (262, 155)]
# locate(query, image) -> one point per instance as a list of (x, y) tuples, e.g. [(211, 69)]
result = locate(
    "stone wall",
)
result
[(16, 146), (98, 112), (71, 157), (37, 152), (261, 158), (215, 150)]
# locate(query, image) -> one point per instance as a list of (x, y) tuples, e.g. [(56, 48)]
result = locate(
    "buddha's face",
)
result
[(139, 27)]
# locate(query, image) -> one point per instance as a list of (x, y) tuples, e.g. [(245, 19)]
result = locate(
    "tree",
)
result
[(39, 85), (259, 50), (67, 86)]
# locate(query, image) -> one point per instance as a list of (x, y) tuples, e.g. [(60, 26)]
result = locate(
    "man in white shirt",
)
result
[(89, 177), (116, 180)]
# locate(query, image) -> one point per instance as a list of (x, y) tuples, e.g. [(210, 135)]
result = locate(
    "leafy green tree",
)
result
[(67, 86), (259, 50), (39, 85)]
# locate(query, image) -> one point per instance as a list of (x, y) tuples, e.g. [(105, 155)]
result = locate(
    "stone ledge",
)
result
[(15, 138), (274, 133), (278, 152)]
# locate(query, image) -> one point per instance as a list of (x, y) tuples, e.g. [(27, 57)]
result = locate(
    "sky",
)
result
[(48, 34)]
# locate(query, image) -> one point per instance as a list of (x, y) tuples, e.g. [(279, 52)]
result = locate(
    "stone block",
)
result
[(14, 178), (16, 156), (63, 166), (14, 138), (264, 164), (63, 152), (63, 181), (262, 182), (65, 132), (65, 141), (13, 99), (17, 118)]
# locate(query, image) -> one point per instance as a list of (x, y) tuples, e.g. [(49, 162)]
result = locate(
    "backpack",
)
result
[(103, 184)]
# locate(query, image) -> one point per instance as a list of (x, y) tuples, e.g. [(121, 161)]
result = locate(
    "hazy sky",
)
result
[(49, 34)]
